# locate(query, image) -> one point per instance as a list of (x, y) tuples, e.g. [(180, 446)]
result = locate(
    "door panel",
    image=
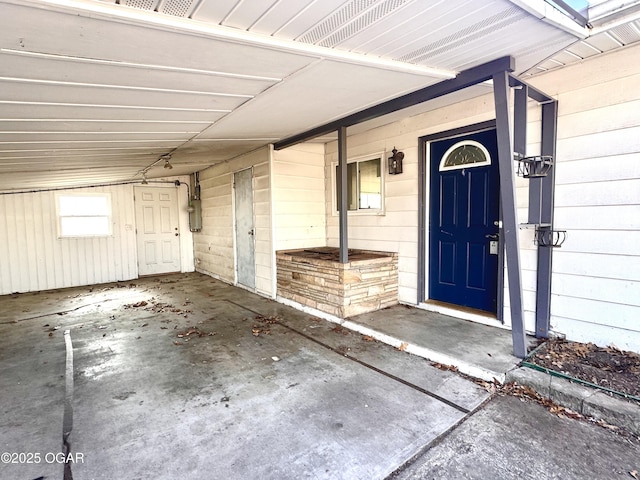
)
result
[(245, 230), (157, 227), (464, 206)]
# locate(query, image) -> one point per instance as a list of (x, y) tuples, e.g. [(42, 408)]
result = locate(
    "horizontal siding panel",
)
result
[(626, 292), (293, 220), (602, 335), (619, 217), (289, 171), (603, 119), (299, 197), (605, 144), (618, 192), (596, 70), (603, 242), (622, 267), (590, 170), (403, 203), (301, 185), (605, 313), (610, 93), (291, 195)]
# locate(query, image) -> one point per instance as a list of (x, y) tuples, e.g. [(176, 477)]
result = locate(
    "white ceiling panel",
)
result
[(29, 137), (70, 127), (214, 12), (150, 76), (22, 111), (6, 147), (308, 17), (604, 42), (97, 90), (246, 13), (344, 89), (71, 93), (85, 37), (279, 15), (583, 49), (413, 20)]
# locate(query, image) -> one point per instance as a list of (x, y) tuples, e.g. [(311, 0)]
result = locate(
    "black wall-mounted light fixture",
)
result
[(166, 159), (395, 162)]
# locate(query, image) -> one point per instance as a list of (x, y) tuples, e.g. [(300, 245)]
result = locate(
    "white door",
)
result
[(157, 230), (245, 247)]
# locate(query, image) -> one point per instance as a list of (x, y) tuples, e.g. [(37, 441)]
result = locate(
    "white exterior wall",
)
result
[(396, 230), (33, 258), (214, 245), (299, 197), (596, 273)]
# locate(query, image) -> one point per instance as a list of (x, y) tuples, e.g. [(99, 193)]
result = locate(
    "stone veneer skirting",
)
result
[(314, 278)]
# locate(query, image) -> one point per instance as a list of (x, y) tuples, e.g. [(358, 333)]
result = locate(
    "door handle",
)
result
[(494, 236), (177, 234), (250, 232)]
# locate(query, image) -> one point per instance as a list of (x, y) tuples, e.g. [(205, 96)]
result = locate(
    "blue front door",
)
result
[(464, 210)]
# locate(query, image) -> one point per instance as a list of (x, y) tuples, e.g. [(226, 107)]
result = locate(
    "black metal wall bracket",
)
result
[(535, 166), (546, 236)]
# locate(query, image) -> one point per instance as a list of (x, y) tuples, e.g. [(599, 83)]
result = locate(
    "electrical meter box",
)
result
[(195, 215)]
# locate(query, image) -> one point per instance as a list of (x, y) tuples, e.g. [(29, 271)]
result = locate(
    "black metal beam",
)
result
[(342, 194), (464, 79), (533, 93), (509, 212), (545, 253)]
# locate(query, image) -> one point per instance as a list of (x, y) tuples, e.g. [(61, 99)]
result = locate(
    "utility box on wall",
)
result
[(195, 215)]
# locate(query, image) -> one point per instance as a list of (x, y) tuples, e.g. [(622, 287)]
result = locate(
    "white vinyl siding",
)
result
[(596, 284), (214, 244), (299, 197)]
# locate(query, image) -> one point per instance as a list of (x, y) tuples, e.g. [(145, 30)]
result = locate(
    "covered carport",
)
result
[(184, 376)]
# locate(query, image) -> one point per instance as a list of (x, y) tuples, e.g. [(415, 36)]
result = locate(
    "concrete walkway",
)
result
[(477, 350)]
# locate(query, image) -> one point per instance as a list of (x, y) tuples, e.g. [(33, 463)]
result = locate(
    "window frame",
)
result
[(108, 215), (462, 143), (381, 156)]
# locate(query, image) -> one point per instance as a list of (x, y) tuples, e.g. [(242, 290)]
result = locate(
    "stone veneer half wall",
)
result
[(315, 278)]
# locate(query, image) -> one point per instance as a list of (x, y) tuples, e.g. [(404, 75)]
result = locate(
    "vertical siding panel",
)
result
[(48, 239), (22, 240), (32, 257), (39, 250), (110, 243), (5, 257), (129, 264)]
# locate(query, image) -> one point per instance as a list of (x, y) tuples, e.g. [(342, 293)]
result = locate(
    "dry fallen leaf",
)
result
[(403, 346), (634, 474), (368, 338)]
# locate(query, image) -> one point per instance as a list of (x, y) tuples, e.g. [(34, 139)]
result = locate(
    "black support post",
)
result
[(543, 289), (342, 193), (509, 213)]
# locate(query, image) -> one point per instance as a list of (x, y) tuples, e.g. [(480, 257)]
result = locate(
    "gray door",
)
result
[(245, 230)]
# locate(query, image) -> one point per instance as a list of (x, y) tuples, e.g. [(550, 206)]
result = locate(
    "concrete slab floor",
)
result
[(183, 376)]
